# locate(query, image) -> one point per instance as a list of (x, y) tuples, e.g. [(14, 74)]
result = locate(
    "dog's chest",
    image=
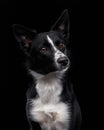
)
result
[(48, 100), (48, 106)]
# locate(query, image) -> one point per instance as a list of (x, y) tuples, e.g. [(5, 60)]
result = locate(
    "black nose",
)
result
[(63, 61)]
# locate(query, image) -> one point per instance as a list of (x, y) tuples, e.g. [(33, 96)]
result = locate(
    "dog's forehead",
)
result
[(54, 36)]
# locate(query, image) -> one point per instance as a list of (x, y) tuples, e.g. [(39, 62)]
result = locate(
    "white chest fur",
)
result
[(48, 103), (49, 90)]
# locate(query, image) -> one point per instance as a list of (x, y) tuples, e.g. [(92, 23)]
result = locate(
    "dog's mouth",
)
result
[(63, 68)]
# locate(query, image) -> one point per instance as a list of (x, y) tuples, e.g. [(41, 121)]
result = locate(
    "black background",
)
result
[(40, 15)]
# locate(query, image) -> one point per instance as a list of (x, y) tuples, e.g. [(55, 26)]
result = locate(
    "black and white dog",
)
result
[(51, 102)]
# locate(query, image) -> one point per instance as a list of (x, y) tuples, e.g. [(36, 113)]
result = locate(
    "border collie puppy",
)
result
[(51, 102)]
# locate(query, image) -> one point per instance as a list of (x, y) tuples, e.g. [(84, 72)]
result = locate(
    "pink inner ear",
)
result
[(27, 41), (62, 28)]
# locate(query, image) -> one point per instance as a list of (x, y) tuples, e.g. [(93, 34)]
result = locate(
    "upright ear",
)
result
[(23, 35), (62, 24)]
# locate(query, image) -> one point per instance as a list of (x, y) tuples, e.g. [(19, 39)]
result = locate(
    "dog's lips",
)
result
[(63, 67)]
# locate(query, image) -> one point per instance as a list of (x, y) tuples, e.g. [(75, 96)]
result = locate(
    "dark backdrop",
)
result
[(41, 15)]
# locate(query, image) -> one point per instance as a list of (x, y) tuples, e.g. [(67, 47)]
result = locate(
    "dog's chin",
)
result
[(55, 69), (63, 68), (59, 69)]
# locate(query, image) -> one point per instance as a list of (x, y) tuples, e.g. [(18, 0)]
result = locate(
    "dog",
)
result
[(51, 102)]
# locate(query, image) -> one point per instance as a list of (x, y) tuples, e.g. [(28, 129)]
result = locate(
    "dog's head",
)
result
[(47, 51)]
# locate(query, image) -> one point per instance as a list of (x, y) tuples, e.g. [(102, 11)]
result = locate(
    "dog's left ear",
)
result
[(62, 24)]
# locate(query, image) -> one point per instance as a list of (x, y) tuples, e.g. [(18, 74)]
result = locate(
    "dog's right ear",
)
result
[(62, 24), (24, 35)]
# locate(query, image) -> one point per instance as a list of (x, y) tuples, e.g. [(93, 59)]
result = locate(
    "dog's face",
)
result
[(47, 51)]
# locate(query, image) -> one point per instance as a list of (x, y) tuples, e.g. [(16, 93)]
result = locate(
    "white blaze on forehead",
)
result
[(51, 42), (58, 54)]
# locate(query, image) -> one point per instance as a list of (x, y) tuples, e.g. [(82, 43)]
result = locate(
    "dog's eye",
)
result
[(61, 46), (43, 50)]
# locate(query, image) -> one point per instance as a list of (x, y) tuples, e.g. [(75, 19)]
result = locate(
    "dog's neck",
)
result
[(49, 86), (48, 77)]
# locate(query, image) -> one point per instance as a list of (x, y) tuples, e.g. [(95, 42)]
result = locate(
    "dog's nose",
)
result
[(63, 61)]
